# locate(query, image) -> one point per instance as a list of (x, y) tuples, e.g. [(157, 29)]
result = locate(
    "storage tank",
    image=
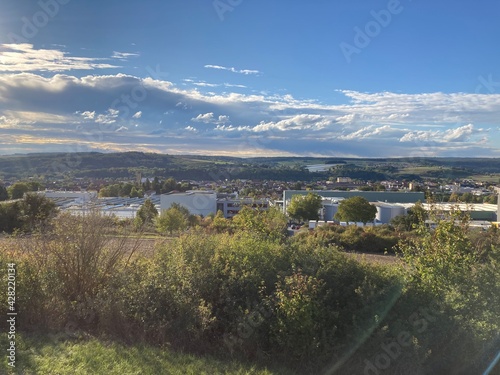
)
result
[(387, 212)]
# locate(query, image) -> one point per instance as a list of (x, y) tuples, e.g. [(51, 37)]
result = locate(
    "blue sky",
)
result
[(246, 78)]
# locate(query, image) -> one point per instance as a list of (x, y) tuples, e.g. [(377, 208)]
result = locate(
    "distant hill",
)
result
[(202, 167)]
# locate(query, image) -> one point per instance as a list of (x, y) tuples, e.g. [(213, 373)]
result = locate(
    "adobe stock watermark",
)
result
[(391, 351), (130, 101), (223, 6), (487, 84), (363, 37), (38, 20)]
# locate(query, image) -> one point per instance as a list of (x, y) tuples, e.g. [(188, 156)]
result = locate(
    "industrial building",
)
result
[(385, 211), (392, 204), (83, 202), (371, 196), (201, 202), (198, 202), (206, 202), (78, 196), (477, 211), (388, 211), (329, 208), (231, 207)]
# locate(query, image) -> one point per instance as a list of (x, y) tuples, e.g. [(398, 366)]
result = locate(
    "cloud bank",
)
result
[(125, 112)]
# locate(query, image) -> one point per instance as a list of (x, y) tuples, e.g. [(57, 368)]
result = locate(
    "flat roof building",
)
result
[(231, 207), (198, 202)]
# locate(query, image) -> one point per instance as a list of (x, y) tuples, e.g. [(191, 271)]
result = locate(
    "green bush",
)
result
[(300, 301), (353, 238)]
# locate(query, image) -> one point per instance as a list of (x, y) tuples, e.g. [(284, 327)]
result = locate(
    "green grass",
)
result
[(56, 355)]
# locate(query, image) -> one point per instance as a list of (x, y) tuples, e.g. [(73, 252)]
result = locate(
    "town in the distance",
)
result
[(119, 184)]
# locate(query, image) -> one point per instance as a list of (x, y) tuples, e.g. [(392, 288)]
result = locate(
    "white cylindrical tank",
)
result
[(386, 212)]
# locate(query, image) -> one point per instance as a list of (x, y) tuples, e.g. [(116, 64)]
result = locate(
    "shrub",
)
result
[(62, 272)]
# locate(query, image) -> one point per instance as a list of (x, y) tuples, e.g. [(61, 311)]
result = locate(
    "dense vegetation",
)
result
[(32, 212), (241, 289)]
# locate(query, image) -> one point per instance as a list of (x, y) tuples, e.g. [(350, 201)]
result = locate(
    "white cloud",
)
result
[(209, 118), (124, 55), (191, 129), (87, 115), (231, 128), (233, 70), (206, 118), (223, 119), (107, 118), (298, 122), (460, 134), (369, 124), (206, 84), (24, 58), (28, 117), (366, 132), (346, 119)]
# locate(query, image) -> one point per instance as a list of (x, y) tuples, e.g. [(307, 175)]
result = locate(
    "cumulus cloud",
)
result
[(137, 114), (209, 118), (191, 129), (24, 58), (460, 134), (367, 132), (298, 122), (206, 118)]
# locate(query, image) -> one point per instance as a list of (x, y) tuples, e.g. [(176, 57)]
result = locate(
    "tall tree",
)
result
[(36, 211), (10, 219), (171, 220), (220, 224), (17, 190), (134, 193), (156, 186), (168, 185), (305, 207), (356, 209), (4, 194), (415, 216), (146, 214)]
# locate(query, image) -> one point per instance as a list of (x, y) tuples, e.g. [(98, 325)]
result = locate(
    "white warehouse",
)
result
[(198, 202)]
